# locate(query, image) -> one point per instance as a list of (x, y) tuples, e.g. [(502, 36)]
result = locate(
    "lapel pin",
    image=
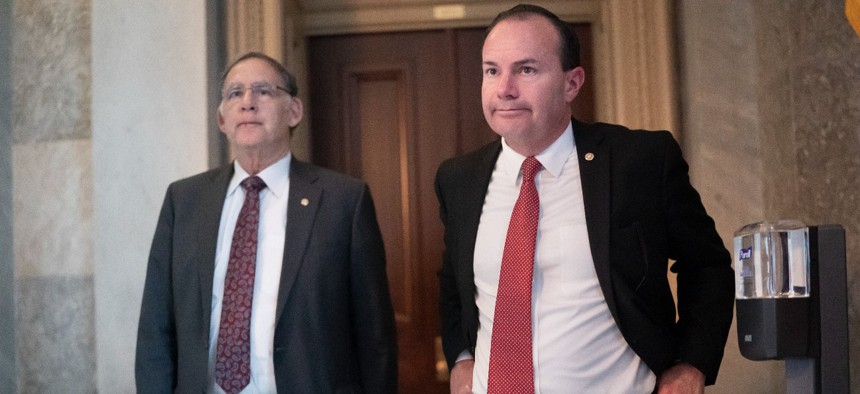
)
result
[(589, 156), (305, 202)]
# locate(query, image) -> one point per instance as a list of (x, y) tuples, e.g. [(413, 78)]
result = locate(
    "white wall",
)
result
[(150, 127)]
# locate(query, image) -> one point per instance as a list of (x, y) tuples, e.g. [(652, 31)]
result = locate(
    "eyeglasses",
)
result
[(263, 91)]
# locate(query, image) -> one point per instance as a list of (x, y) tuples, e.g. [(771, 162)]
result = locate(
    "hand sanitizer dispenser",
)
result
[(790, 286), (772, 289)]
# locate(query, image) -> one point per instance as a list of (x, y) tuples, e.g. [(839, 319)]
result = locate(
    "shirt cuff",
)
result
[(464, 355)]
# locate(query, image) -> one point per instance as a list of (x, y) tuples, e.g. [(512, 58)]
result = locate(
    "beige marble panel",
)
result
[(56, 335), (718, 108), (721, 141), (825, 115), (775, 97), (8, 323), (53, 208), (51, 68)]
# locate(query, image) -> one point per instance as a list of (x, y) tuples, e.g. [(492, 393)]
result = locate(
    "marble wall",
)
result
[(818, 73), (770, 99), (7, 271), (151, 113), (52, 196), (101, 106)]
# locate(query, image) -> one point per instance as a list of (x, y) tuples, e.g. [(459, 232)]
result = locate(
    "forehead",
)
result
[(530, 37), (251, 71)]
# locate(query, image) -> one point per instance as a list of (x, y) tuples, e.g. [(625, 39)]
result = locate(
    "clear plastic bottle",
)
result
[(772, 260)]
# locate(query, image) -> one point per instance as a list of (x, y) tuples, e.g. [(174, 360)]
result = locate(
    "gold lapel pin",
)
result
[(305, 202), (589, 156)]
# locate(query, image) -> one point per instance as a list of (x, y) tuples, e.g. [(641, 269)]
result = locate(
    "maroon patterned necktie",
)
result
[(511, 366), (233, 362)]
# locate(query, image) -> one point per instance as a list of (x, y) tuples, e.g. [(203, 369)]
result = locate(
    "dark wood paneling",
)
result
[(377, 109)]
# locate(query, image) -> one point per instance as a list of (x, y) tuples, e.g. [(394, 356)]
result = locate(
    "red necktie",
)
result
[(511, 366), (233, 362)]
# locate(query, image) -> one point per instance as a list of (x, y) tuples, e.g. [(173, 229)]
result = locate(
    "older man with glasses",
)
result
[(268, 274)]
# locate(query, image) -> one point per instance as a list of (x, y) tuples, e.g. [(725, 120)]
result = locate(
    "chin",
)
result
[(248, 143), (507, 130), (248, 138)]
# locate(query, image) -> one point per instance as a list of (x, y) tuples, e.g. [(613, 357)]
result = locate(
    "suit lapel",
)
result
[(594, 156), (474, 188), (302, 205), (211, 205)]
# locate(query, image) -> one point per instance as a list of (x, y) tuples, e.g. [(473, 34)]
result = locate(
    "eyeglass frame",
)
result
[(256, 91)]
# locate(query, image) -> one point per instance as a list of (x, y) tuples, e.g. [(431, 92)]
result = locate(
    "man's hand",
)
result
[(461, 377), (682, 378)]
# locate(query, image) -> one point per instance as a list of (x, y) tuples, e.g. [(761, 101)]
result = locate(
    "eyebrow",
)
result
[(255, 83), (516, 63)]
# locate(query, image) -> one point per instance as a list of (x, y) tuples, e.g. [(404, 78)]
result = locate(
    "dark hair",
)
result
[(568, 43), (288, 79)]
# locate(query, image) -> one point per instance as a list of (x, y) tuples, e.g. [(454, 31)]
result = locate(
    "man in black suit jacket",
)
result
[(639, 211), (321, 320)]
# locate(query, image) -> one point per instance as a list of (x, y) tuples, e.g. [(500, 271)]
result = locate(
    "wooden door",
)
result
[(389, 108)]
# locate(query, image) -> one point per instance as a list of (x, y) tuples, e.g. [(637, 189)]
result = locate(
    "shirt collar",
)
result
[(552, 158), (276, 176)]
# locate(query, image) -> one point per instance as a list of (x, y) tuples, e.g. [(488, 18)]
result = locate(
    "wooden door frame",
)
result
[(633, 44)]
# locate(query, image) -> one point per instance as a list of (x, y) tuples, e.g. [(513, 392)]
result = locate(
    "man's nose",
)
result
[(249, 100), (507, 87)]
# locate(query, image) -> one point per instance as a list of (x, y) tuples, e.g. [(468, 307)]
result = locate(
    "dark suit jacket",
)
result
[(641, 211), (334, 326)]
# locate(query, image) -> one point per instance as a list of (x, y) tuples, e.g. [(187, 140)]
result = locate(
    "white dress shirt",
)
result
[(577, 345), (270, 257)]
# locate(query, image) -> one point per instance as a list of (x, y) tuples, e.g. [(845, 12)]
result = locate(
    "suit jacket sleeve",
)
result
[(371, 303), (705, 277), (155, 359)]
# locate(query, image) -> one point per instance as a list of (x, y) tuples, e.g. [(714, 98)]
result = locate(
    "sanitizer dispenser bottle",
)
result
[(790, 286)]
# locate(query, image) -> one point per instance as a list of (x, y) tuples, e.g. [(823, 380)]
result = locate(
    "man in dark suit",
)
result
[(268, 274), (615, 205)]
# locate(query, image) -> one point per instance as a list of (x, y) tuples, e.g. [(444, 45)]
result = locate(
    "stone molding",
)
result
[(254, 26)]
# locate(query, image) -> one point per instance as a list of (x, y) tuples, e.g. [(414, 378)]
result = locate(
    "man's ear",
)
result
[(220, 118), (573, 81), (296, 112)]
